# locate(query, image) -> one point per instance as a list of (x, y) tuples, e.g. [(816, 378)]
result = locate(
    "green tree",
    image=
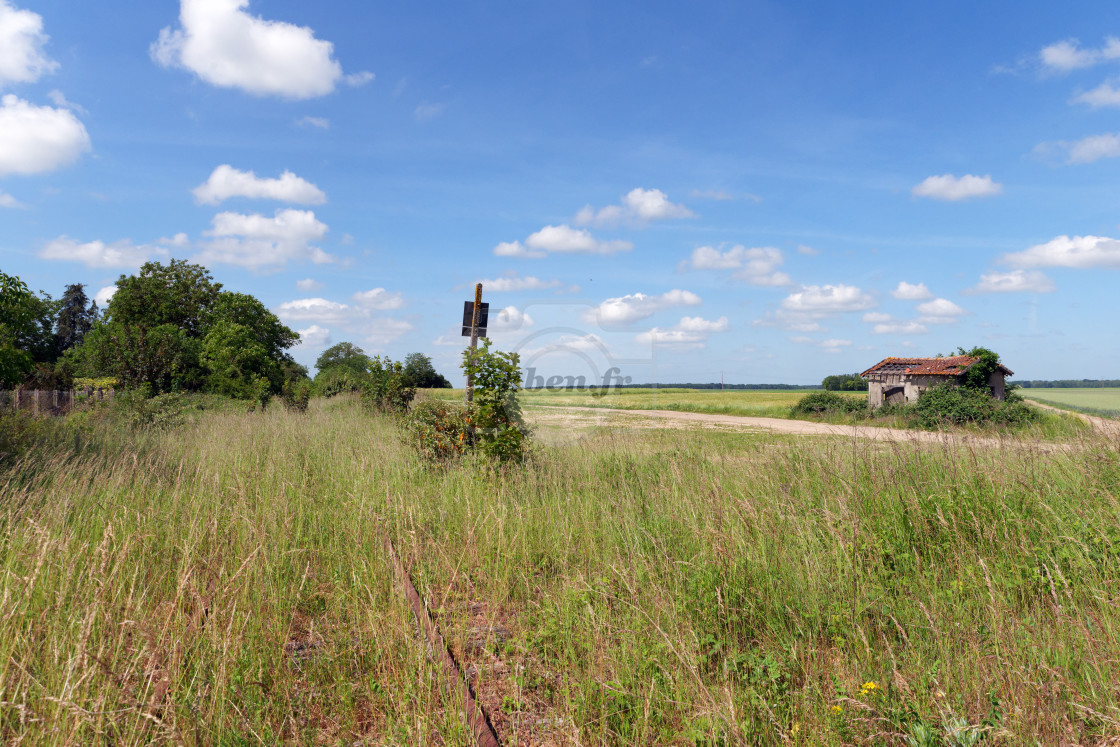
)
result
[(178, 293), (844, 383), (419, 372), (238, 363), (76, 315), (17, 313), (979, 373), (344, 355)]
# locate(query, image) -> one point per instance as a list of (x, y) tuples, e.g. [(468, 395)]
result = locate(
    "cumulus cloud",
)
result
[(22, 59), (1067, 55), (226, 182), (509, 319), (635, 306), (99, 254), (562, 239), (359, 79), (833, 345), (1016, 281), (378, 298), (940, 307), (105, 295), (309, 285), (511, 281), (1090, 149), (638, 206), (757, 265), (225, 46), (261, 243), (314, 336), (877, 317), (7, 201), (317, 310), (1077, 252), (953, 188), (827, 299), (908, 292), (36, 139), (1105, 95), (382, 330), (900, 328)]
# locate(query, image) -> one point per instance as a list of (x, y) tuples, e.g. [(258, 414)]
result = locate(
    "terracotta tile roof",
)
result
[(951, 366)]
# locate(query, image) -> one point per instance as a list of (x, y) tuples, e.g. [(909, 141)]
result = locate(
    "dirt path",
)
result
[(1102, 425), (788, 427)]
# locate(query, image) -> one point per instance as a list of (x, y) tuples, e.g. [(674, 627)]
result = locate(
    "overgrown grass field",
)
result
[(1099, 401), (224, 582)]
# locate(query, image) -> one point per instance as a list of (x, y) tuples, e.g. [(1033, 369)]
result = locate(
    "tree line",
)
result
[(168, 328)]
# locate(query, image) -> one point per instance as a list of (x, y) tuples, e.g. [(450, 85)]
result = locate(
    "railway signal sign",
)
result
[(468, 318)]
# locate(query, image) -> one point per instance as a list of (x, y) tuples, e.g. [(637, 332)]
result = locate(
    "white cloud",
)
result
[(560, 239), (317, 310), (829, 346), (1103, 96), (59, 99), (953, 188), (511, 281), (699, 324), (940, 307), (1078, 252), (428, 112), (359, 79), (509, 319), (320, 122), (711, 194), (21, 46), (314, 336), (226, 46), (99, 254), (638, 206), (259, 243), (635, 306), (756, 265), (104, 296), (378, 298), (1067, 55), (1093, 148), (877, 317), (807, 250), (309, 284), (1016, 281), (7, 201), (35, 139), (900, 328), (907, 292), (384, 330), (226, 182), (690, 333), (827, 299)]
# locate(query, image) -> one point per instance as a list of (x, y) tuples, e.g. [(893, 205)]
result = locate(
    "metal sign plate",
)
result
[(468, 313)]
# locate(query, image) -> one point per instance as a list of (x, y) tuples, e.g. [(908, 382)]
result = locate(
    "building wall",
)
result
[(997, 381), (914, 385)]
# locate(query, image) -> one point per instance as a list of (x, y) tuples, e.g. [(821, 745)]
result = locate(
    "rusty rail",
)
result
[(472, 710)]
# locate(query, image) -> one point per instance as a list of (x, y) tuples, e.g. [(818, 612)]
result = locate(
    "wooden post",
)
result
[(469, 395)]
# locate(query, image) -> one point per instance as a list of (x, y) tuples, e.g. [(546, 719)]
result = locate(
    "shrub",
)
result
[(296, 394), (497, 426), (338, 380), (139, 409), (820, 403), (946, 404), (440, 431), (386, 389)]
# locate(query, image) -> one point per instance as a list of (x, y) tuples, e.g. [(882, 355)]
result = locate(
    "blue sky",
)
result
[(771, 192)]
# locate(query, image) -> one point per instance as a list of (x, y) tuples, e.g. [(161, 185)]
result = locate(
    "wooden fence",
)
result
[(50, 401)]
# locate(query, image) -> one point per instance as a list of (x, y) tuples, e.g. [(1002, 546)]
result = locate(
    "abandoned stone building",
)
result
[(896, 381)]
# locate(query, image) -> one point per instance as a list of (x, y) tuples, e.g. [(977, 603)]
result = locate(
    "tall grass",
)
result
[(223, 583)]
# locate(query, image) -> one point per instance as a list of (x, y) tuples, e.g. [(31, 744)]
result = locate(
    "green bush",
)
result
[(385, 388), (139, 409), (296, 394), (947, 404), (498, 429), (821, 403), (440, 431)]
